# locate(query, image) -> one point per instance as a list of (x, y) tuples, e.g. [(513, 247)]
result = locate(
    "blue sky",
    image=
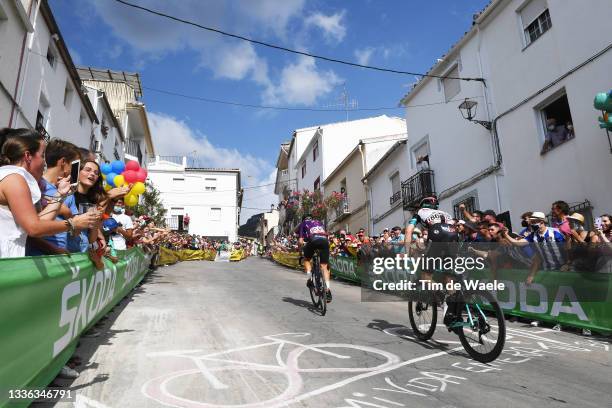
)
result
[(402, 34)]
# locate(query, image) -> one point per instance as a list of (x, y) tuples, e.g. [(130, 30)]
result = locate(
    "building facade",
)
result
[(383, 188), (531, 66), (48, 93), (210, 198), (123, 92), (353, 212)]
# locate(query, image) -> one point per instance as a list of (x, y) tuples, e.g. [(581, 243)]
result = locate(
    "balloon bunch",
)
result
[(118, 174)]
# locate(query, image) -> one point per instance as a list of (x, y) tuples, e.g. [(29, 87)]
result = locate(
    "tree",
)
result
[(150, 205)]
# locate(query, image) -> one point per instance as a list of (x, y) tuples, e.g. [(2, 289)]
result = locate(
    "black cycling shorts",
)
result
[(320, 243)]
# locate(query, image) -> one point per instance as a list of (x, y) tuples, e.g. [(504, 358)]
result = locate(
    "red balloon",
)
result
[(141, 175), (130, 176), (132, 165)]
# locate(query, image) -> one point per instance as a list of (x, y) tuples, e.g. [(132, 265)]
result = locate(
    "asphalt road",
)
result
[(204, 334)]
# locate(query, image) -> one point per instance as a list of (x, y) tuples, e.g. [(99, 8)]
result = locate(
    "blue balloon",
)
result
[(110, 179), (106, 168), (118, 166)]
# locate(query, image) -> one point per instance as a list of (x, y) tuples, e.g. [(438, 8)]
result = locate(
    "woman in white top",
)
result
[(22, 163)]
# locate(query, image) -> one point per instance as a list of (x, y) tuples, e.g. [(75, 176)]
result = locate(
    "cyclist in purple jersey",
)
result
[(312, 236)]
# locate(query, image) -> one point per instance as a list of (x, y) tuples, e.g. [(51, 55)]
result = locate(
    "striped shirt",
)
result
[(550, 247)]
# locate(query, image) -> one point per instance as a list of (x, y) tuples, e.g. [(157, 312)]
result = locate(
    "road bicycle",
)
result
[(475, 316), (218, 372), (318, 290)]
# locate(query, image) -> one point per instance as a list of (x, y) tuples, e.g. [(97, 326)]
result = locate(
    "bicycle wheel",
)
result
[(323, 296), (483, 328), (423, 315)]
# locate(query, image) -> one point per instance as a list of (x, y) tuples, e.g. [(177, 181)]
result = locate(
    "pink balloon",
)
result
[(132, 165), (141, 175), (130, 176)]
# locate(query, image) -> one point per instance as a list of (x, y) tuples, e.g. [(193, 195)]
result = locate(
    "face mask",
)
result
[(524, 223), (535, 227), (118, 209), (415, 236)]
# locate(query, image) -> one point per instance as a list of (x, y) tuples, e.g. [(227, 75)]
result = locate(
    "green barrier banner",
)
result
[(47, 302), (577, 299), (345, 267)]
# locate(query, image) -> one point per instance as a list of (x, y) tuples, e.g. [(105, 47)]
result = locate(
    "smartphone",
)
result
[(598, 223), (75, 168)]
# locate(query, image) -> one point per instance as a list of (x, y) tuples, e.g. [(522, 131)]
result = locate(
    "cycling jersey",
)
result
[(310, 229)]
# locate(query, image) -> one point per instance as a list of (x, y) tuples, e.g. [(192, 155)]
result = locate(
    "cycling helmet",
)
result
[(429, 202)]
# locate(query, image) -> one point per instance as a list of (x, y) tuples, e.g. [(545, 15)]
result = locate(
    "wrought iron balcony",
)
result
[(395, 197), (417, 187), (132, 147), (342, 209)]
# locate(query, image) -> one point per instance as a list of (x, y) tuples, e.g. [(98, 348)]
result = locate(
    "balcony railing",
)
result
[(132, 147), (417, 187), (342, 209), (395, 198)]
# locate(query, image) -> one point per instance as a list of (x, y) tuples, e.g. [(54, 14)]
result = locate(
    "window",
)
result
[(178, 184), (82, 118), (215, 214), (315, 151), (68, 93), (452, 87), (535, 19), (420, 155), (470, 206), (284, 172), (51, 57), (210, 184), (557, 123), (395, 183), (317, 184), (303, 169)]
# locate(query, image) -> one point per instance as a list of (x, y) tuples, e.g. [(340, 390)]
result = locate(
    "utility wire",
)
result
[(281, 48), (280, 108)]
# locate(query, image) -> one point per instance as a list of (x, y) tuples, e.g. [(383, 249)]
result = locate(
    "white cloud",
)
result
[(333, 25), (363, 55), (174, 137), (76, 57), (301, 83), (152, 38)]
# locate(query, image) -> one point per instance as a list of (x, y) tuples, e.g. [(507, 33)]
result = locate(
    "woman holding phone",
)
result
[(22, 162), (89, 198)]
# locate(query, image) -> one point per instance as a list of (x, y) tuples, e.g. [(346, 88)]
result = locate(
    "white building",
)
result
[(383, 187), (107, 139), (324, 147), (210, 197), (123, 91), (536, 65), (267, 227), (14, 28), (48, 93)]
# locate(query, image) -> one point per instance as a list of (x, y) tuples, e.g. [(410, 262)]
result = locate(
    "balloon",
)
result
[(103, 176), (138, 188), (119, 180), (106, 168), (107, 187), (110, 179), (118, 166), (130, 176), (132, 165), (130, 200), (141, 175)]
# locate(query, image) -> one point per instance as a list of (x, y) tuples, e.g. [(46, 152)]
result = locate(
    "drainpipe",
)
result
[(365, 183)]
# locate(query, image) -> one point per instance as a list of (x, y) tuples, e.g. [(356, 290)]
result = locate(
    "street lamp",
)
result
[(468, 111)]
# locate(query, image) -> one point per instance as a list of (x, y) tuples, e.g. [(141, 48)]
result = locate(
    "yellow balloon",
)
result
[(130, 200), (138, 188), (119, 180), (103, 176), (107, 187)]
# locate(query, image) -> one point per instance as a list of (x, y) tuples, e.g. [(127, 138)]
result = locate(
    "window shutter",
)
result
[(532, 10)]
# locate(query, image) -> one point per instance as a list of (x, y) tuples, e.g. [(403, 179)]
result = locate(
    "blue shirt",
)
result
[(60, 239)]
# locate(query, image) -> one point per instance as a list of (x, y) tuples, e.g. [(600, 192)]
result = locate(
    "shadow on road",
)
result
[(405, 333), (302, 303)]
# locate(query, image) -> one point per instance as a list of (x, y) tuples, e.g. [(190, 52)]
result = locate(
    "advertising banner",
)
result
[(290, 259), (169, 256), (47, 302)]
